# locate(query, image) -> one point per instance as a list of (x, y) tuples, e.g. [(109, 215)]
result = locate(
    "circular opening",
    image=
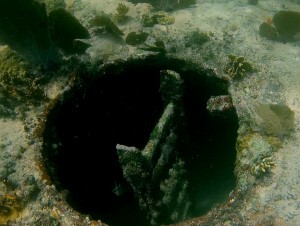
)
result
[(122, 105)]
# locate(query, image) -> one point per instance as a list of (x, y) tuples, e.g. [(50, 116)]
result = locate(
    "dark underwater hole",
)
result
[(122, 104)]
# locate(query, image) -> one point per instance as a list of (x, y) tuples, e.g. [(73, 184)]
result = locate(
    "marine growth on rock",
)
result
[(159, 164)]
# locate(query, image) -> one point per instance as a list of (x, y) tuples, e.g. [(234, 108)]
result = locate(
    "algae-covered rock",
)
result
[(268, 31), (122, 11), (159, 17), (65, 29), (287, 23), (237, 67), (256, 155), (157, 173), (148, 21), (265, 165), (163, 18), (217, 104), (17, 86), (105, 23), (134, 38), (24, 28), (10, 208)]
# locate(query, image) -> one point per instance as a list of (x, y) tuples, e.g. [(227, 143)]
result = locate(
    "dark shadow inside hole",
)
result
[(211, 150), (123, 106), (87, 126)]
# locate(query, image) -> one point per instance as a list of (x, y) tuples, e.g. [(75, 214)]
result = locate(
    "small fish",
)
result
[(119, 189)]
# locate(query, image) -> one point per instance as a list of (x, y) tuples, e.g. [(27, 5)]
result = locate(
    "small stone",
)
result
[(268, 31), (219, 103)]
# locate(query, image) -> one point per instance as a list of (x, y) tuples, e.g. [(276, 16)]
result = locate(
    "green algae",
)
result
[(287, 23), (103, 23), (121, 14), (160, 17), (136, 38), (238, 67), (196, 38), (18, 86)]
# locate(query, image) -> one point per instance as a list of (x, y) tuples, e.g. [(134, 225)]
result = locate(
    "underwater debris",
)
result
[(134, 38), (145, 170), (177, 203), (237, 67), (103, 23), (121, 14), (287, 24)]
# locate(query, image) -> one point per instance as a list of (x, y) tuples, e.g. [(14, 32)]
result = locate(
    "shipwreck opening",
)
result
[(121, 104)]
